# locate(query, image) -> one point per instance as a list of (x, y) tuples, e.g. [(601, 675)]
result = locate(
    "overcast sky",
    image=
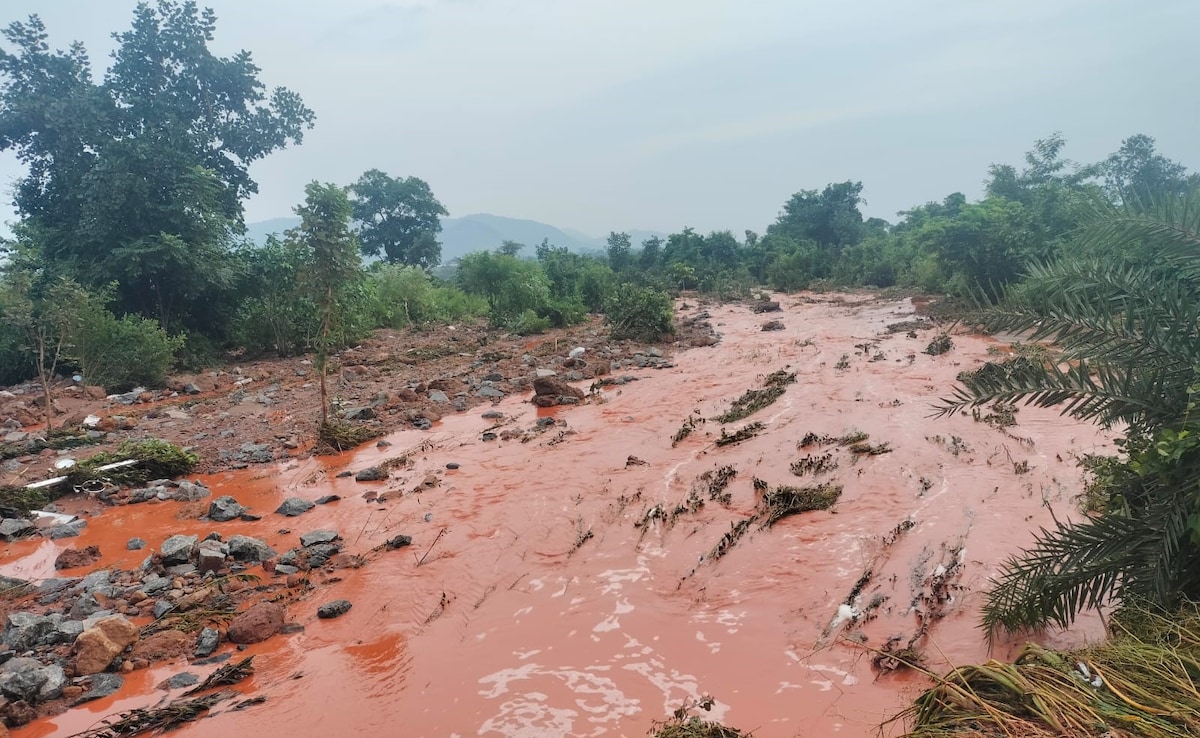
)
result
[(621, 114)]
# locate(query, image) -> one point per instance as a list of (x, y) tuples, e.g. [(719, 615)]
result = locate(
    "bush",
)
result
[(121, 353), (529, 323), (159, 460), (406, 296), (640, 313)]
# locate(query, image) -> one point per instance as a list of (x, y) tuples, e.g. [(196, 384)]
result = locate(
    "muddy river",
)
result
[(531, 602)]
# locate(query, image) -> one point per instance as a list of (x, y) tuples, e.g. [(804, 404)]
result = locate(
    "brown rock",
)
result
[(448, 385), (555, 388), (429, 414), (96, 647), (71, 558), (193, 600), (70, 692), (257, 624), (163, 645), (94, 392), (407, 395), (18, 713)]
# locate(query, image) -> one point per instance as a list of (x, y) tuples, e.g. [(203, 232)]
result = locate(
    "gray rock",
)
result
[(399, 541), (318, 536), (181, 570), (30, 680), (493, 415), (98, 581), (489, 392), (145, 494), (286, 569), (253, 448), (67, 530), (177, 549), (161, 607), (334, 609), (191, 389), (51, 590), (211, 556), (224, 509), (13, 586), (154, 583), (69, 630), (326, 499), (371, 474), (25, 630), (247, 549), (656, 353), (186, 491), (294, 506), (545, 373), (84, 606), (207, 642), (288, 558), (358, 413), (493, 377), (13, 528), (422, 423), (183, 679), (103, 685), (438, 396), (135, 544)]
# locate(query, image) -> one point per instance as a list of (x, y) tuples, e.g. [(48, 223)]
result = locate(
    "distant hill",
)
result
[(477, 232)]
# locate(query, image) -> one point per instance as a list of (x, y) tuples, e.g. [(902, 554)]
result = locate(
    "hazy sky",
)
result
[(620, 114)]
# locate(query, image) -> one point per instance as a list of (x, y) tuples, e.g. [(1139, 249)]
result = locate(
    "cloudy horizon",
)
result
[(617, 115)]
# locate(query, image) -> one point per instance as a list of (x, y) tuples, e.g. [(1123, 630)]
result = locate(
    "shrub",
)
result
[(406, 296), (640, 313), (529, 323), (121, 353)]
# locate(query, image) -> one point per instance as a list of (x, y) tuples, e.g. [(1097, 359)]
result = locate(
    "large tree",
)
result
[(140, 178), (399, 218)]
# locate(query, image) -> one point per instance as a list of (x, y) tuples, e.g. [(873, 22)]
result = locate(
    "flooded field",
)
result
[(587, 576)]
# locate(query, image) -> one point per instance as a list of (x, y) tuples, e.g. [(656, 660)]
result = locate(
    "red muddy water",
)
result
[(514, 626)]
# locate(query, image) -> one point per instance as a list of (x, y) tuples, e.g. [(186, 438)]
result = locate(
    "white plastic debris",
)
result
[(577, 352), (64, 464), (91, 421)]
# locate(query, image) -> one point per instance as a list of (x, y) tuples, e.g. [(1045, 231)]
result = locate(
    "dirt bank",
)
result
[(576, 577)]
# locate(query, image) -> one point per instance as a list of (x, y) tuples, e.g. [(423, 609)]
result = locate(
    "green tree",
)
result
[(620, 251), (399, 218), (333, 266), (1130, 339), (139, 178), (1137, 170), (512, 248)]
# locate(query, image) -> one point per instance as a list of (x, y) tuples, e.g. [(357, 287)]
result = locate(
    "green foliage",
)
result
[(158, 460), (398, 219), (138, 179), (529, 323), (640, 313), (121, 353), (1130, 351), (406, 296)]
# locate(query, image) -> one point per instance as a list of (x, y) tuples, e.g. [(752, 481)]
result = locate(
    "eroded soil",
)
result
[(586, 576)]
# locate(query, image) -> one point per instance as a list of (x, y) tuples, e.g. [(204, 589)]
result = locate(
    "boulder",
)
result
[(371, 474), (103, 685), (186, 491), (72, 558), (13, 528), (207, 642), (135, 544), (334, 609), (99, 645), (177, 550), (224, 509), (247, 549), (294, 506), (25, 630), (66, 530), (552, 387), (256, 624), (31, 681), (211, 556)]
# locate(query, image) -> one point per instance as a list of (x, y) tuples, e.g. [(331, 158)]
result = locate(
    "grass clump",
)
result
[(17, 502), (1142, 683), (811, 464), (742, 434), (939, 345), (685, 430), (683, 723), (782, 502), (754, 400), (158, 459), (334, 437)]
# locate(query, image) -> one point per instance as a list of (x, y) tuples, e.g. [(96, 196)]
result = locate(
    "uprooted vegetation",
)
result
[(814, 464), (849, 438), (689, 426), (683, 723), (1139, 684), (742, 434), (781, 502), (939, 345), (752, 401)]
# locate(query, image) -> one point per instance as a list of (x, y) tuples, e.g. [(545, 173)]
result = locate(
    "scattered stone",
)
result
[(489, 392), (358, 413), (766, 306), (30, 681), (247, 549), (177, 549), (545, 373), (772, 325), (179, 681), (72, 558), (399, 541), (211, 556), (103, 685), (344, 474), (318, 536), (290, 628), (326, 499), (207, 642), (256, 624), (13, 528), (161, 608), (67, 530), (135, 544), (224, 509), (438, 396), (249, 517), (186, 491), (334, 609), (294, 506), (371, 474), (493, 415), (452, 465), (286, 570), (25, 630)]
